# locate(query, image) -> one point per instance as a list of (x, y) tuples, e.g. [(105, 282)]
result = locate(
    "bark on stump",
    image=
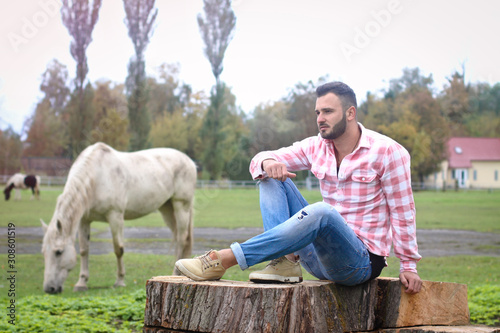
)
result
[(179, 303)]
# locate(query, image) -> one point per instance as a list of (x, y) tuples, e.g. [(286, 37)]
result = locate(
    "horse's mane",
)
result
[(78, 192)]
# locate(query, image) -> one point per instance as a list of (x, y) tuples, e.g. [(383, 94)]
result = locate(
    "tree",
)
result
[(81, 120), (171, 130), (46, 135), (270, 127), (167, 93), (484, 117), (109, 95), (212, 133), (80, 17), (47, 128), (110, 119), (455, 102), (410, 114), (216, 28), (411, 80), (302, 103), (140, 17), (55, 86), (180, 129), (11, 149), (111, 129)]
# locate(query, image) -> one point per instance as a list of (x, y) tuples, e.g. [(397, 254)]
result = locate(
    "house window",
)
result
[(496, 175), (474, 175)]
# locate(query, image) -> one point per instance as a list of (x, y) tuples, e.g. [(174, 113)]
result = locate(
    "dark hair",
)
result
[(341, 90)]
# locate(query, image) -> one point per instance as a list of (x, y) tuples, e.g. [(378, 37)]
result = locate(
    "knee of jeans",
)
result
[(268, 183), (322, 209)]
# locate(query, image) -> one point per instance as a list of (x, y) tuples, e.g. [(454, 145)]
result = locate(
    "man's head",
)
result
[(341, 90), (335, 107)]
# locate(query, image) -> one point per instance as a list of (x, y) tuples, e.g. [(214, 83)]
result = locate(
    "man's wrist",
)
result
[(408, 266), (266, 159)]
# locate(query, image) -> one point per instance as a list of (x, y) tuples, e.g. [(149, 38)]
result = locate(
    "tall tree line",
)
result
[(409, 110)]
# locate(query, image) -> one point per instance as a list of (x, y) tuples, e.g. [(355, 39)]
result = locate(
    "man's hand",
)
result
[(276, 170), (411, 281)]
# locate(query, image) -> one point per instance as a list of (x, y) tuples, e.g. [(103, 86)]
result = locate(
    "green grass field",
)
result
[(478, 211), (473, 210)]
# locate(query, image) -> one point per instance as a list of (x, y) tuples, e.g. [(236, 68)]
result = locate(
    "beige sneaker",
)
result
[(202, 268), (278, 270)]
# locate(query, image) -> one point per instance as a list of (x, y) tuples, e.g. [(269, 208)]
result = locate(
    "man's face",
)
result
[(331, 119)]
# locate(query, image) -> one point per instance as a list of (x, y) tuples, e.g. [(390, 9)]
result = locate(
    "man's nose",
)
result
[(320, 119)]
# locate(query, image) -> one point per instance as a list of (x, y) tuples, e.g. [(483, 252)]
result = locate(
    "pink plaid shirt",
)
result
[(372, 190)]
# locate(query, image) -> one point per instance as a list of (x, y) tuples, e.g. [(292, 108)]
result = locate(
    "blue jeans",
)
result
[(328, 248)]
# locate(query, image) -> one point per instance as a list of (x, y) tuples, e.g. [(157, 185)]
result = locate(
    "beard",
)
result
[(337, 130)]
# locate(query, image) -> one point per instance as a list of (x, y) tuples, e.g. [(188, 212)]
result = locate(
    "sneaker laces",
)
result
[(206, 261), (276, 261)]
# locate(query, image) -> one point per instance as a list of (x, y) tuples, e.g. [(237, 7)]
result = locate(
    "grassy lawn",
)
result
[(472, 210)]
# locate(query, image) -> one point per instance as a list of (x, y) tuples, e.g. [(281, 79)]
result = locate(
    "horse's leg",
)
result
[(167, 212), (115, 220), (17, 196), (32, 193), (184, 225), (84, 240)]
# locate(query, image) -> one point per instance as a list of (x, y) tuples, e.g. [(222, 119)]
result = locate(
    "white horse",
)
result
[(20, 181), (110, 186)]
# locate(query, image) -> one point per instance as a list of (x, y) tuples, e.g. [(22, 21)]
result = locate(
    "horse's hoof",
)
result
[(119, 285), (80, 288)]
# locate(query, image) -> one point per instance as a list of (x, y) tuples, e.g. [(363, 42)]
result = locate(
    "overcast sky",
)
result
[(277, 43)]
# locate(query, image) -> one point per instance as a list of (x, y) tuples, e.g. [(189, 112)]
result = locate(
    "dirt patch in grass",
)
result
[(432, 243)]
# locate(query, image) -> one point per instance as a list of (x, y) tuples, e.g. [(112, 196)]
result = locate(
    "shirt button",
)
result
[(363, 178)]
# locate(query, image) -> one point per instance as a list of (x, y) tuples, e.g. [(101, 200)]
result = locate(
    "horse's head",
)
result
[(60, 256), (7, 191)]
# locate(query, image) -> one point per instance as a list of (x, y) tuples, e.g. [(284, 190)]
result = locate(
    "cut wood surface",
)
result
[(179, 303), (438, 303)]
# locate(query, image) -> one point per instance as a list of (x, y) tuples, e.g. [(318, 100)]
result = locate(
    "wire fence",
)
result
[(310, 183)]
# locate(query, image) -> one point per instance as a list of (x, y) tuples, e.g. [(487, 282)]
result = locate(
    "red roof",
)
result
[(462, 151)]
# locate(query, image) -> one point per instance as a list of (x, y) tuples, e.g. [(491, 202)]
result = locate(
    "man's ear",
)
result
[(351, 113)]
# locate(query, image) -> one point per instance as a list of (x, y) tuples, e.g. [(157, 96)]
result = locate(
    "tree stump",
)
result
[(181, 304)]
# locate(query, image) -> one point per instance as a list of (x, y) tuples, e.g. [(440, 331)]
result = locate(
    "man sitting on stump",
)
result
[(367, 206)]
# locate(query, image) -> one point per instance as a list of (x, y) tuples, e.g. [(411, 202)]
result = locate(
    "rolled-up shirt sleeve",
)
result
[(295, 158)]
